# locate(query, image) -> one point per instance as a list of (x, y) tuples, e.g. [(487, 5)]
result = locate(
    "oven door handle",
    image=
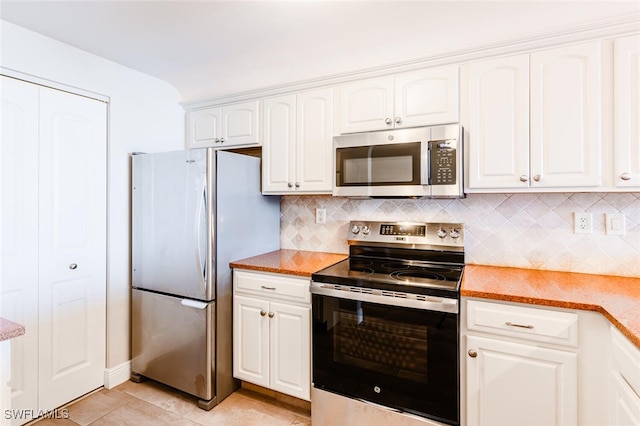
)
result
[(427, 303)]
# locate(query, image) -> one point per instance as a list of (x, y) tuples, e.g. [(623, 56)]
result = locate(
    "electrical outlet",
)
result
[(582, 223), (321, 216)]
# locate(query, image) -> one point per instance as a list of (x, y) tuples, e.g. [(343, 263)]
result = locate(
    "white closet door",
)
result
[(72, 241), (19, 213)]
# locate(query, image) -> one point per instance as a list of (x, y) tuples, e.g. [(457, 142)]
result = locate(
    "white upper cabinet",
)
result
[(226, 126), (297, 155), (566, 117), (498, 102), (626, 69), (419, 98), (535, 121)]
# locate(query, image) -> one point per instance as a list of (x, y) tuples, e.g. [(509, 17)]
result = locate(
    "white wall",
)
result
[(144, 116)]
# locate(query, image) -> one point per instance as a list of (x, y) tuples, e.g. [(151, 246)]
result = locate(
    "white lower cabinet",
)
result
[(272, 332), (517, 384), (526, 365), (625, 376)]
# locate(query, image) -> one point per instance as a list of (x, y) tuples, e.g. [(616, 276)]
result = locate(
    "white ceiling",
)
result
[(211, 48)]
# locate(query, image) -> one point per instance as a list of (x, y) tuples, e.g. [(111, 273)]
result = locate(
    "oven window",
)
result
[(377, 165), (398, 357)]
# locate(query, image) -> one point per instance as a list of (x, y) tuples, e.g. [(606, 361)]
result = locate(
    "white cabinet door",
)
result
[(314, 141), (290, 344), (626, 403), (297, 155), (72, 240), (227, 126), (367, 105), (626, 68), (516, 384), (19, 272), (240, 124), (204, 127), (566, 117), (251, 340), (498, 109), (278, 151), (426, 97)]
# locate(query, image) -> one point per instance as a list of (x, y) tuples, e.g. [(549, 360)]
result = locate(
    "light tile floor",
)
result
[(151, 403)]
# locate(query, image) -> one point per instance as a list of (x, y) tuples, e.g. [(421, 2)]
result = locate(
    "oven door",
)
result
[(399, 357)]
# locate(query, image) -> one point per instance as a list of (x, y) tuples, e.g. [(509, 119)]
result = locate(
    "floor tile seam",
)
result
[(119, 407)]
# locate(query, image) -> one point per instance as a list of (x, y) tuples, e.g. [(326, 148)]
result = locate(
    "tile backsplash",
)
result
[(520, 230)]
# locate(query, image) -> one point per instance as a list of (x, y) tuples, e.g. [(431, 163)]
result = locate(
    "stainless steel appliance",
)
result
[(418, 162), (193, 212), (385, 320)]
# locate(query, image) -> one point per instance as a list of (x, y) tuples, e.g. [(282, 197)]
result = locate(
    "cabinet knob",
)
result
[(398, 120), (625, 176), (388, 121), (472, 353), (289, 185), (271, 314), (524, 178), (536, 178), (297, 184), (222, 140), (263, 313), (73, 266)]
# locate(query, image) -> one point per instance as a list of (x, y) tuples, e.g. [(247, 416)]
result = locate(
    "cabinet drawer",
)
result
[(534, 324), (626, 359), (278, 286)]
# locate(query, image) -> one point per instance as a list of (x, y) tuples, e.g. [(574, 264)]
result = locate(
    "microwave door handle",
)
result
[(425, 165)]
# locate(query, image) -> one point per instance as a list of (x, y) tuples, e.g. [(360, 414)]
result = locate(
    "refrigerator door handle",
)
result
[(202, 266), (193, 303)]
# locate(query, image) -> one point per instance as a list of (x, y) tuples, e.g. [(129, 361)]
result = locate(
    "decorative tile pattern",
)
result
[(519, 230)]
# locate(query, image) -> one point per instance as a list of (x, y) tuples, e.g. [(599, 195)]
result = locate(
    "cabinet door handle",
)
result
[(524, 178), (263, 313), (511, 324), (73, 266), (537, 178), (472, 353), (625, 176), (388, 121), (271, 314), (398, 120), (268, 288)]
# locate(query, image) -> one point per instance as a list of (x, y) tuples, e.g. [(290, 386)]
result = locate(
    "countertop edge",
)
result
[(10, 329)]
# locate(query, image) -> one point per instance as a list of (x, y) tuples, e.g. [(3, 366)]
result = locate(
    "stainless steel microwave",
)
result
[(418, 162)]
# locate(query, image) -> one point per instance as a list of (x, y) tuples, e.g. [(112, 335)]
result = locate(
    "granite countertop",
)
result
[(292, 262), (9, 329), (617, 298)]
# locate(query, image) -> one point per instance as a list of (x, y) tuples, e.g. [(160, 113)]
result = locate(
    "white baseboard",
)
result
[(117, 375)]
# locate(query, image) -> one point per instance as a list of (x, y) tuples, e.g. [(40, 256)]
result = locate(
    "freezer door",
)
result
[(169, 226), (172, 342)]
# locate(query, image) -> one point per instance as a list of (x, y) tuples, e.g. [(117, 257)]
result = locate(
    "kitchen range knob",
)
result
[(536, 178), (365, 230), (271, 314), (263, 313), (355, 229), (73, 266), (625, 176), (454, 233), (441, 233), (524, 178), (388, 121), (398, 120), (472, 353)]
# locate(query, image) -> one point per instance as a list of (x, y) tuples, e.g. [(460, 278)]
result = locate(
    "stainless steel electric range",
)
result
[(385, 320)]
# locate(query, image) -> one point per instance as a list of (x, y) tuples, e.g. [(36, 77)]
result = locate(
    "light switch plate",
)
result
[(614, 223)]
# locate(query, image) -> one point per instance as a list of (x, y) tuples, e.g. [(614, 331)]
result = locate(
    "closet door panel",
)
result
[(72, 241), (19, 291)]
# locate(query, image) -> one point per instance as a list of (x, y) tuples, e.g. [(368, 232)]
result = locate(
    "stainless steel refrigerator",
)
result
[(192, 213)]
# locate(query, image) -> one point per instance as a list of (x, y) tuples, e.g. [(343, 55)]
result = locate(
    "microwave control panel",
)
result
[(442, 162)]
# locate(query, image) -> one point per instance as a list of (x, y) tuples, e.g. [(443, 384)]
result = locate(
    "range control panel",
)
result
[(411, 233)]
